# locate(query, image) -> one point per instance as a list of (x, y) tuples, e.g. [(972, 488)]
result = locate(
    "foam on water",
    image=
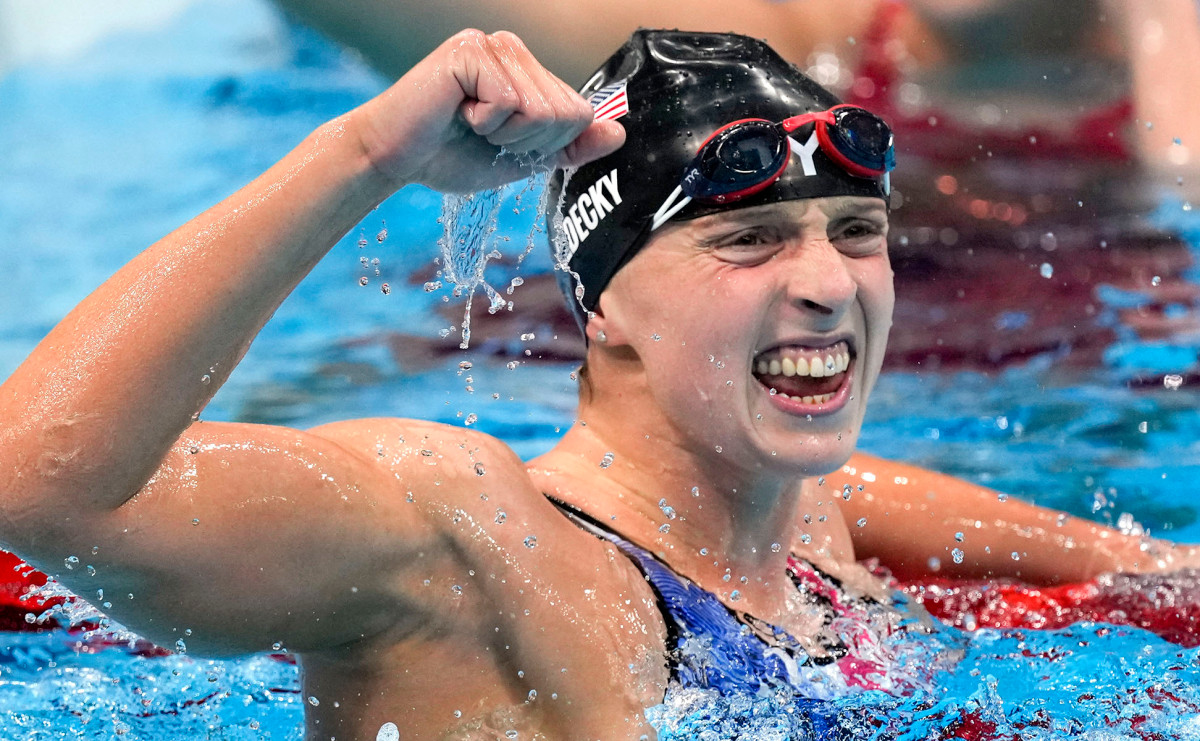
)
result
[(1087, 681)]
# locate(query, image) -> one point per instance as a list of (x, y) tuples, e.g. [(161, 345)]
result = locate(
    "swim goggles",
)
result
[(746, 156)]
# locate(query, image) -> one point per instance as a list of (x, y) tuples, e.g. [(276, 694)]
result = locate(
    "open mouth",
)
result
[(805, 374)]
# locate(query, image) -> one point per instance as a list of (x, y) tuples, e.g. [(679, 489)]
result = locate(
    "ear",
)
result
[(603, 319)]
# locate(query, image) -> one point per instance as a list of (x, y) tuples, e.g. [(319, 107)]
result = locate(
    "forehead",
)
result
[(830, 207)]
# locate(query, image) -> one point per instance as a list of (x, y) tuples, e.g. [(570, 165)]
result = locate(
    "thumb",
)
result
[(599, 139)]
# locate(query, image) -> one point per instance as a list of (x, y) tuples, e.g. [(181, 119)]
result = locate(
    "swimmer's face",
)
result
[(759, 332)]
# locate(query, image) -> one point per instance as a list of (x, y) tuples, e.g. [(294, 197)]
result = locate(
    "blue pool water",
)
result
[(105, 154)]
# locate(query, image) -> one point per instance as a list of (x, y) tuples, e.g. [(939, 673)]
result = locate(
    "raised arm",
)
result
[(914, 515), (101, 410)]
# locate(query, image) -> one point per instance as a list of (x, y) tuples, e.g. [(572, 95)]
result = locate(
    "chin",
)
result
[(817, 455)]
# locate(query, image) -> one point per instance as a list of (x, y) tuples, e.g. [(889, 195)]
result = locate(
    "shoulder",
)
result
[(468, 485)]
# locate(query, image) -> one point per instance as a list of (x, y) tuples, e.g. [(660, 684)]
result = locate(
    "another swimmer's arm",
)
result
[(1162, 41), (914, 515), (573, 37)]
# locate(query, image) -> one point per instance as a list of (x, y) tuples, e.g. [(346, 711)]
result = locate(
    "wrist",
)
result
[(356, 136)]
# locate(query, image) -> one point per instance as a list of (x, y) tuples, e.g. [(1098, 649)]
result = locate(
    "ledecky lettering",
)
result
[(590, 208)]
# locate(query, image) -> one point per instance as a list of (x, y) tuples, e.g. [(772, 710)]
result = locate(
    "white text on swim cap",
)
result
[(805, 151), (589, 208)]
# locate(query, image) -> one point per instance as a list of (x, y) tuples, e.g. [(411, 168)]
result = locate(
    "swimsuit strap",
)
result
[(709, 647)]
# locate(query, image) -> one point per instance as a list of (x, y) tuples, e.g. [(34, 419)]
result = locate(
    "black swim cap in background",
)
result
[(671, 90)]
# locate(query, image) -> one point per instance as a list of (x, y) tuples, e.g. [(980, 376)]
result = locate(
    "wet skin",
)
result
[(346, 543)]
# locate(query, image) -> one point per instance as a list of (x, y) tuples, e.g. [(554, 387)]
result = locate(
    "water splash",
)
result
[(470, 241)]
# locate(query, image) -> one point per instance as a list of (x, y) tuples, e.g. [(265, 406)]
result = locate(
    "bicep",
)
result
[(249, 535)]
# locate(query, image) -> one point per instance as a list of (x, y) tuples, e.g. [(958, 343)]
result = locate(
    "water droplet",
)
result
[(695, 491), (362, 242), (1177, 141), (195, 521), (1172, 381), (1047, 270), (958, 537), (776, 548), (456, 590), (957, 555), (1001, 497), (457, 713), (471, 419), (91, 570), (667, 510), (501, 516), (512, 364), (206, 379), (385, 289), (1016, 556), (805, 538), (364, 280), (1143, 427), (665, 527), (862, 521), (719, 449), (180, 647), (735, 595), (388, 732), (934, 563), (71, 562), (510, 733), (656, 337), (703, 551), (1187, 206), (531, 541), (382, 235), (607, 460), (527, 336), (1156, 280)]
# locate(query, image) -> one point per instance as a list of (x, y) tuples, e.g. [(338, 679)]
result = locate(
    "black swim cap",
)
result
[(671, 90)]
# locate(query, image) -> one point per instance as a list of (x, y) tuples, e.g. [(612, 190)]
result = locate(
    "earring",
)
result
[(601, 337)]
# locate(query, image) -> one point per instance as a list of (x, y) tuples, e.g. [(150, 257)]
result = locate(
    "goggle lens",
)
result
[(863, 138), (737, 157)]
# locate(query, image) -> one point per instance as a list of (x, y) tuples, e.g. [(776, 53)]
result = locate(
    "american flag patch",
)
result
[(610, 102)]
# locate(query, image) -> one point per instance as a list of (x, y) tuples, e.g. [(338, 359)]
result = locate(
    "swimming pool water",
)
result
[(106, 154)]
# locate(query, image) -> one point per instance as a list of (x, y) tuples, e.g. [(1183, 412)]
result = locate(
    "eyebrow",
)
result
[(864, 208)]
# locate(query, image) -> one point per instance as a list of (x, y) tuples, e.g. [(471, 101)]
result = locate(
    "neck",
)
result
[(704, 515)]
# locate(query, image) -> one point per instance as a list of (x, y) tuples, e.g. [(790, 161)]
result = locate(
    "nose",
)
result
[(819, 280)]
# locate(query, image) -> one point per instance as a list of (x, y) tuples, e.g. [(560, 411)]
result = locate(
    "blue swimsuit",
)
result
[(710, 646)]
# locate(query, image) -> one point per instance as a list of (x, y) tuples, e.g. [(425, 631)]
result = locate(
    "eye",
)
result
[(859, 236), (747, 246)]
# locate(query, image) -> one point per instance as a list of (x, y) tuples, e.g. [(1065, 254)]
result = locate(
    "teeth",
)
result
[(818, 399), (800, 365)]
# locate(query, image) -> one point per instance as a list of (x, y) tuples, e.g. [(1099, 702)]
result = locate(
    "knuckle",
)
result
[(508, 38), (470, 35)]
